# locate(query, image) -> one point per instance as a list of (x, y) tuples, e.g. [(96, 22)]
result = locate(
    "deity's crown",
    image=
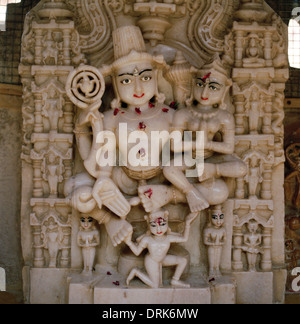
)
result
[(215, 64), (127, 39), (129, 46), (158, 214)]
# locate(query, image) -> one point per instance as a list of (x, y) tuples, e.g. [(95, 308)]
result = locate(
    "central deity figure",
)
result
[(109, 190), (139, 106)]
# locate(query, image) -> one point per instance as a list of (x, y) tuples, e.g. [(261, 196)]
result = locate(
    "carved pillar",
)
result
[(48, 51), (37, 179), (38, 252), (266, 259), (258, 74), (38, 125), (237, 264), (266, 191), (267, 117)]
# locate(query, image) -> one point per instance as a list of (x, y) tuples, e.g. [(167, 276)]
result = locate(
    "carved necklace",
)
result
[(205, 114)]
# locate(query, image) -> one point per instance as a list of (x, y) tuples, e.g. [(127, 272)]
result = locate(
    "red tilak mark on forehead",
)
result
[(206, 77), (159, 221)]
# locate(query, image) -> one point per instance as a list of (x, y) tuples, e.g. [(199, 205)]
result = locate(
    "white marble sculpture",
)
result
[(157, 241), (214, 236), (88, 239), (99, 78), (252, 241)]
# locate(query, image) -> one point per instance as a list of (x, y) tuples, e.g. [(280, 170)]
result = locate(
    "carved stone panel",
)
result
[(95, 74)]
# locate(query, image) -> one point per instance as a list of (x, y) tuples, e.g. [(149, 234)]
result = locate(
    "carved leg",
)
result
[(235, 169), (91, 258), (180, 263), (142, 276), (176, 176), (127, 185), (218, 254), (153, 197), (215, 191), (211, 261)]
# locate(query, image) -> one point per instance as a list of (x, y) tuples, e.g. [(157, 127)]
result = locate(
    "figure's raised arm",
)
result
[(188, 221), (136, 248)]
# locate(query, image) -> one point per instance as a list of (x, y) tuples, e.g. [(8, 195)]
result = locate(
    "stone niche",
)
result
[(70, 50)]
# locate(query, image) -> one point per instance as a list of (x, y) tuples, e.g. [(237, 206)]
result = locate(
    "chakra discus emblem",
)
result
[(85, 86)]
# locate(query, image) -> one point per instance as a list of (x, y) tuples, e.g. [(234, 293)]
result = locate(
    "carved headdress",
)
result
[(216, 67), (129, 47)]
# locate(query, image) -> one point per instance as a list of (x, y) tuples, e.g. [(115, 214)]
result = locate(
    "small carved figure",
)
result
[(88, 239), (254, 52), (52, 240), (52, 172), (252, 242), (214, 239), (53, 108), (254, 108), (254, 160), (50, 53), (158, 240)]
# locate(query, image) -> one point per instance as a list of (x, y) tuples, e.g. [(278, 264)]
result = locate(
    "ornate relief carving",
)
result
[(235, 98), (51, 239)]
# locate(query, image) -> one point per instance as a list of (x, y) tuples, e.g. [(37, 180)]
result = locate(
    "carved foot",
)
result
[(153, 197), (82, 200), (214, 274), (196, 201), (179, 284), (107, 193), (118, 230)]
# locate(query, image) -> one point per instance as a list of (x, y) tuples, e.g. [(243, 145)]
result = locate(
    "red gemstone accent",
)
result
[(149, 193), (142, 125)]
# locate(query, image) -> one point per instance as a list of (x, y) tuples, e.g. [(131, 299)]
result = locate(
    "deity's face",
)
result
[(253, 161), (217, 219), (136, 83), (158, 225), (51, 158), (86, 222), (252, 227), (209, 88)]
